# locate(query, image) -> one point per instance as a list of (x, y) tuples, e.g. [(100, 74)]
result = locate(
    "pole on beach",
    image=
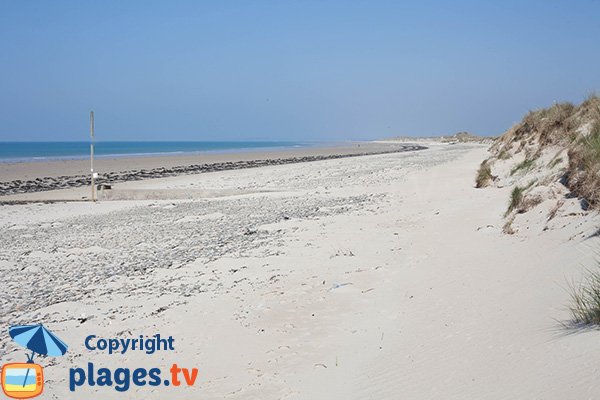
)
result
[(92, 153)]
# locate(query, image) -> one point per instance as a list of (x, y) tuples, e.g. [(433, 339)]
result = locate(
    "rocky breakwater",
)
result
[(65, 182)]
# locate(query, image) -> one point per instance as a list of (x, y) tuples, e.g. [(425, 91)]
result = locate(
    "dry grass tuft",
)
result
[(547, 126), (583, 174), (554, 210), (508, 228), (591, 107), (555, 125), (484, 175), (529, 202)]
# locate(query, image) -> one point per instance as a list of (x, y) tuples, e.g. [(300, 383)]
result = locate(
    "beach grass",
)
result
[(484, 175), (585, 300), (584, 166), (525, 165), (516, 198)]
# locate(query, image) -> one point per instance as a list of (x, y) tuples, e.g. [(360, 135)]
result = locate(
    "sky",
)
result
[(288, 70)]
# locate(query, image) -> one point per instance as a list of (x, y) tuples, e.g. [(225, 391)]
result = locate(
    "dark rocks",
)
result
[(63, 182)]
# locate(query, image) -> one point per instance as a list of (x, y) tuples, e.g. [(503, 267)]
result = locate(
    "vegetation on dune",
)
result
[(520, 201), (583, 174), (504, 154), (585, 301), (553, 125), (563, 134), (572, 130), (525, 166), (516, 198), (484, 175)]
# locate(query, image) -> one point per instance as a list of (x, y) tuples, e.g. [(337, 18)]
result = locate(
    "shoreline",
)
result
[(31, 177), (165, 152)]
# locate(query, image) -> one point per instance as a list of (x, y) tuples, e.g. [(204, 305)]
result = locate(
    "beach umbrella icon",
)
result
[(39, 340)]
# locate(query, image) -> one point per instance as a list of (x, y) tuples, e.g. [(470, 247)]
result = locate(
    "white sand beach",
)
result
[(374, 277)]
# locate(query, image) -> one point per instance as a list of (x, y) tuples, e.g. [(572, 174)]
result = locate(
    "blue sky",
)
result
[(297, 70)]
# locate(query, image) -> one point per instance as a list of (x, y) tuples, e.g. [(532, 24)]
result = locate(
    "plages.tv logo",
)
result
[(26, 380)]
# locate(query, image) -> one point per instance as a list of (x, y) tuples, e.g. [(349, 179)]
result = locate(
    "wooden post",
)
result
[(92, 154)]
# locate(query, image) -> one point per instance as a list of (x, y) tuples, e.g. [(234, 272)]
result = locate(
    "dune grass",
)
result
[(524, 166), (516, 198), (584, 167), (585, 300), (484, 175), (561, 128), (504, 155)]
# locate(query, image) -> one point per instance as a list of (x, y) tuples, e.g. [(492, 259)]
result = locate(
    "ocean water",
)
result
[(30, 151)]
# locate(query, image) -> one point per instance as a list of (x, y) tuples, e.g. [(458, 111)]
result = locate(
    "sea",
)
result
[(32, 151)]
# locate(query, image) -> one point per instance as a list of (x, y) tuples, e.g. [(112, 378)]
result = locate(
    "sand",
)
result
[(382, 277)]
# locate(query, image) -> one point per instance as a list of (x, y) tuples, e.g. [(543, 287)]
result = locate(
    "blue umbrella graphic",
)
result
[(39, 340)]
